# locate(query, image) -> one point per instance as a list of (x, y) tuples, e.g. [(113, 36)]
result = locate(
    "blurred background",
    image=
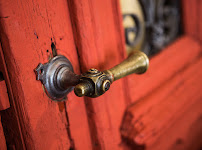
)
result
[(151, 25), (165, 30)]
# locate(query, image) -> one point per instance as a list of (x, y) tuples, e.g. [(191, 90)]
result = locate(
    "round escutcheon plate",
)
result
[(47, 73)]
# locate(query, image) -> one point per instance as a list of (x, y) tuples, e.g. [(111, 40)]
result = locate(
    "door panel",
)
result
[(163, 109), (191, 17), (99, 39), (90, 34), (8, 117), (2, 137), (29, 31), (200, 18), (161, 69)]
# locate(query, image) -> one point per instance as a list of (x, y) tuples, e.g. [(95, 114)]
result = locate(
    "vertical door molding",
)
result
[(29, 31), (99, 38)]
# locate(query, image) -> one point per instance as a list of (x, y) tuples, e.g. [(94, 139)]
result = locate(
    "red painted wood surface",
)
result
[(90, 29), (27, 31), (188, 129), (146, 121), (9, 118), (190, 17), (200, 19), (164, 66), (4, 101), (90, 34), (99, 39), (2, 138)]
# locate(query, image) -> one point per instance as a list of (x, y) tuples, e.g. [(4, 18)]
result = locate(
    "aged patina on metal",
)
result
[(51, 75), (58, 77), (137, 62)]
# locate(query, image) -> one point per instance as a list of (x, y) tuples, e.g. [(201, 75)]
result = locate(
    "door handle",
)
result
[(58, 77)]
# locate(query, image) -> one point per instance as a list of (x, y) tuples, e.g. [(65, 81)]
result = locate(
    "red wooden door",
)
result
[(99, 38), (90, 34), (29, 32)]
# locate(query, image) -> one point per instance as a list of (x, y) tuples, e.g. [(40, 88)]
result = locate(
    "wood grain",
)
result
[(10, 121), (164, 66), (90, 34), (167, 115), (29, 29), (99, 40), (190, 17), (199, 4), (4, 101), (188, 135), (2, 138)]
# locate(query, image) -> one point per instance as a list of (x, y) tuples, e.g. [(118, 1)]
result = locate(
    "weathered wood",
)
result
[(9, 118), (163, 67), (2, 138), (78, 123), (184, 134), (99, 39), (147, 121), (200, 19), (92, 28), (190, 17), (29, 31), (4, 101)]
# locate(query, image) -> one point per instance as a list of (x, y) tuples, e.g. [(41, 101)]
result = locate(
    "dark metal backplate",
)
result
[(47, 73)]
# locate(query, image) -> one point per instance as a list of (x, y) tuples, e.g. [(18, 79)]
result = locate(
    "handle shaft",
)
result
[(137, 62)]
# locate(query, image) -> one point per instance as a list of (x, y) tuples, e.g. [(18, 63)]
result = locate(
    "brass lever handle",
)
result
[(58, 77), (137, 62)]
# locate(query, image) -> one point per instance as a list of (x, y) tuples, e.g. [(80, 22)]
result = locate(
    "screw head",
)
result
[(106, 85), (93, 71)]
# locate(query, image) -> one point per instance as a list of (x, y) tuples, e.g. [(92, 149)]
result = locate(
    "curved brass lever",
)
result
[(95, 83), (58, 77)]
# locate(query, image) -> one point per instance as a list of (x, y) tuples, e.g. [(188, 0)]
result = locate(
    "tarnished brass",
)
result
[(93, 83), (59, 79), (137, 62)]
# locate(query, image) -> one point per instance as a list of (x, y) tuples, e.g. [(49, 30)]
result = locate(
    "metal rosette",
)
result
[(47, 74)]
